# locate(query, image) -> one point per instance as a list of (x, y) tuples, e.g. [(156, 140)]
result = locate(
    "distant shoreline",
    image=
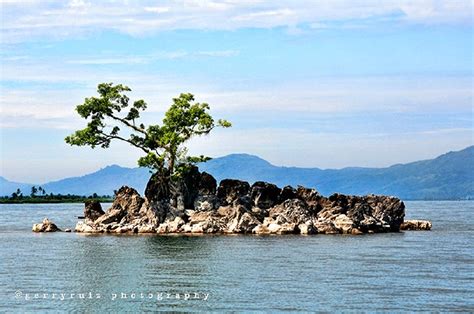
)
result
[(55, 200), (107, 200)]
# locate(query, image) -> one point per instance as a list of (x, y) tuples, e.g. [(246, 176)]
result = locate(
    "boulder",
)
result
[(207, 184), (343, 223), (311, 197), (264, 195), (293, 211), (416, 225), (390, 210), (326, 227), (157, 188), (287, 193), (229, 190), (46, 226), (307, 228), (92, 210), (206, 202), (126, 206), (187, 186)]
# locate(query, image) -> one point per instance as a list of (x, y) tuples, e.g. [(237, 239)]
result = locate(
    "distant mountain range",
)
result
[(449, 176)]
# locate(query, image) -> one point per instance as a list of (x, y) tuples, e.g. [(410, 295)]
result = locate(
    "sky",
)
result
[(326, 84)]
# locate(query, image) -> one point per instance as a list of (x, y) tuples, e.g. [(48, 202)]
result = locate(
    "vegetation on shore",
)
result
[(39, 195)]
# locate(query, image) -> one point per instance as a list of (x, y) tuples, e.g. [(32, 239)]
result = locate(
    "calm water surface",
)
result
[(407, 271)]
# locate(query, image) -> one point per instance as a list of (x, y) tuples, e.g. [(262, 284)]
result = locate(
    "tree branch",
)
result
[(146, 150), (128, 124)]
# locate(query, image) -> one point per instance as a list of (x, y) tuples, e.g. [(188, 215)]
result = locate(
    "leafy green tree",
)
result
[(34, 190), (111, 116)]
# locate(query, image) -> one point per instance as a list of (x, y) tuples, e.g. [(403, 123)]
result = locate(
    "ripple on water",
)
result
[(409, 271)]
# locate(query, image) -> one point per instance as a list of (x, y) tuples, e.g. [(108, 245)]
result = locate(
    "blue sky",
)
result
[(323, 84)]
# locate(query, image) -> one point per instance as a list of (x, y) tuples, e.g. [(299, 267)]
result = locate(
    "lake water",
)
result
[(407, 271)]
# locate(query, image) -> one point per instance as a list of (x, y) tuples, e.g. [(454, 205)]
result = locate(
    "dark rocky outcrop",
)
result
[(194, 204), (46, 226), (93, 210), (264, 195), (230, 190)]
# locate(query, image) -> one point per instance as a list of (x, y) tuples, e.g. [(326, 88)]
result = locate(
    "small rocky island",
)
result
[(195, 204), (180, 199)]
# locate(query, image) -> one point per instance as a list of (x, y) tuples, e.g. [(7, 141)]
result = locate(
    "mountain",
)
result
[(449, 176), (102, 182), (8, 187)]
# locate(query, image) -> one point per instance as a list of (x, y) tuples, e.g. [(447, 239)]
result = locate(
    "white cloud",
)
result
[(48, 106), (157, 9), (27, 20), (161, 55)]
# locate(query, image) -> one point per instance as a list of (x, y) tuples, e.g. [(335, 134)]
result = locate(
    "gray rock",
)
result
[(416, 225), (46, 226), (230, 190), (192, 204), (264, 195), (93, 210)]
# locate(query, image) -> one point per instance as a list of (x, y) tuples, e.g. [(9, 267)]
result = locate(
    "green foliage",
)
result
[(163, 145), (52, 198)]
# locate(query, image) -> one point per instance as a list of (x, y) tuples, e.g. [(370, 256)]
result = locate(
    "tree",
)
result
[(111, 113), (34, 190)]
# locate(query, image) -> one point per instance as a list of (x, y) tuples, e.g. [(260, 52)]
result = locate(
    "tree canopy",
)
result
[(111, 117)]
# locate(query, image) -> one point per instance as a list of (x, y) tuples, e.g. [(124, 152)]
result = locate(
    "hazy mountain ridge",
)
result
[(449, 176)]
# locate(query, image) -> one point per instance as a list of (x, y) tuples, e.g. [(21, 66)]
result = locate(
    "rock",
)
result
[(416, 225), (162, 228), (207, 184), (127, 206), (158, 188), (307, 228), (388, 209), (264, 195), (81, 226), (191, 203), (260, 229), (311, 197), (290, 211), (93, 210), (188, 185), (206, 202), (287, 193), (326, 227), (45, 226), (146, 229), (243, 222), (67, 230), (229, 190), (343, 223), (197, 228), (175, 225)]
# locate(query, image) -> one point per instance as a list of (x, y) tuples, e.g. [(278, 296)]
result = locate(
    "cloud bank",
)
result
[(30, 19)]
